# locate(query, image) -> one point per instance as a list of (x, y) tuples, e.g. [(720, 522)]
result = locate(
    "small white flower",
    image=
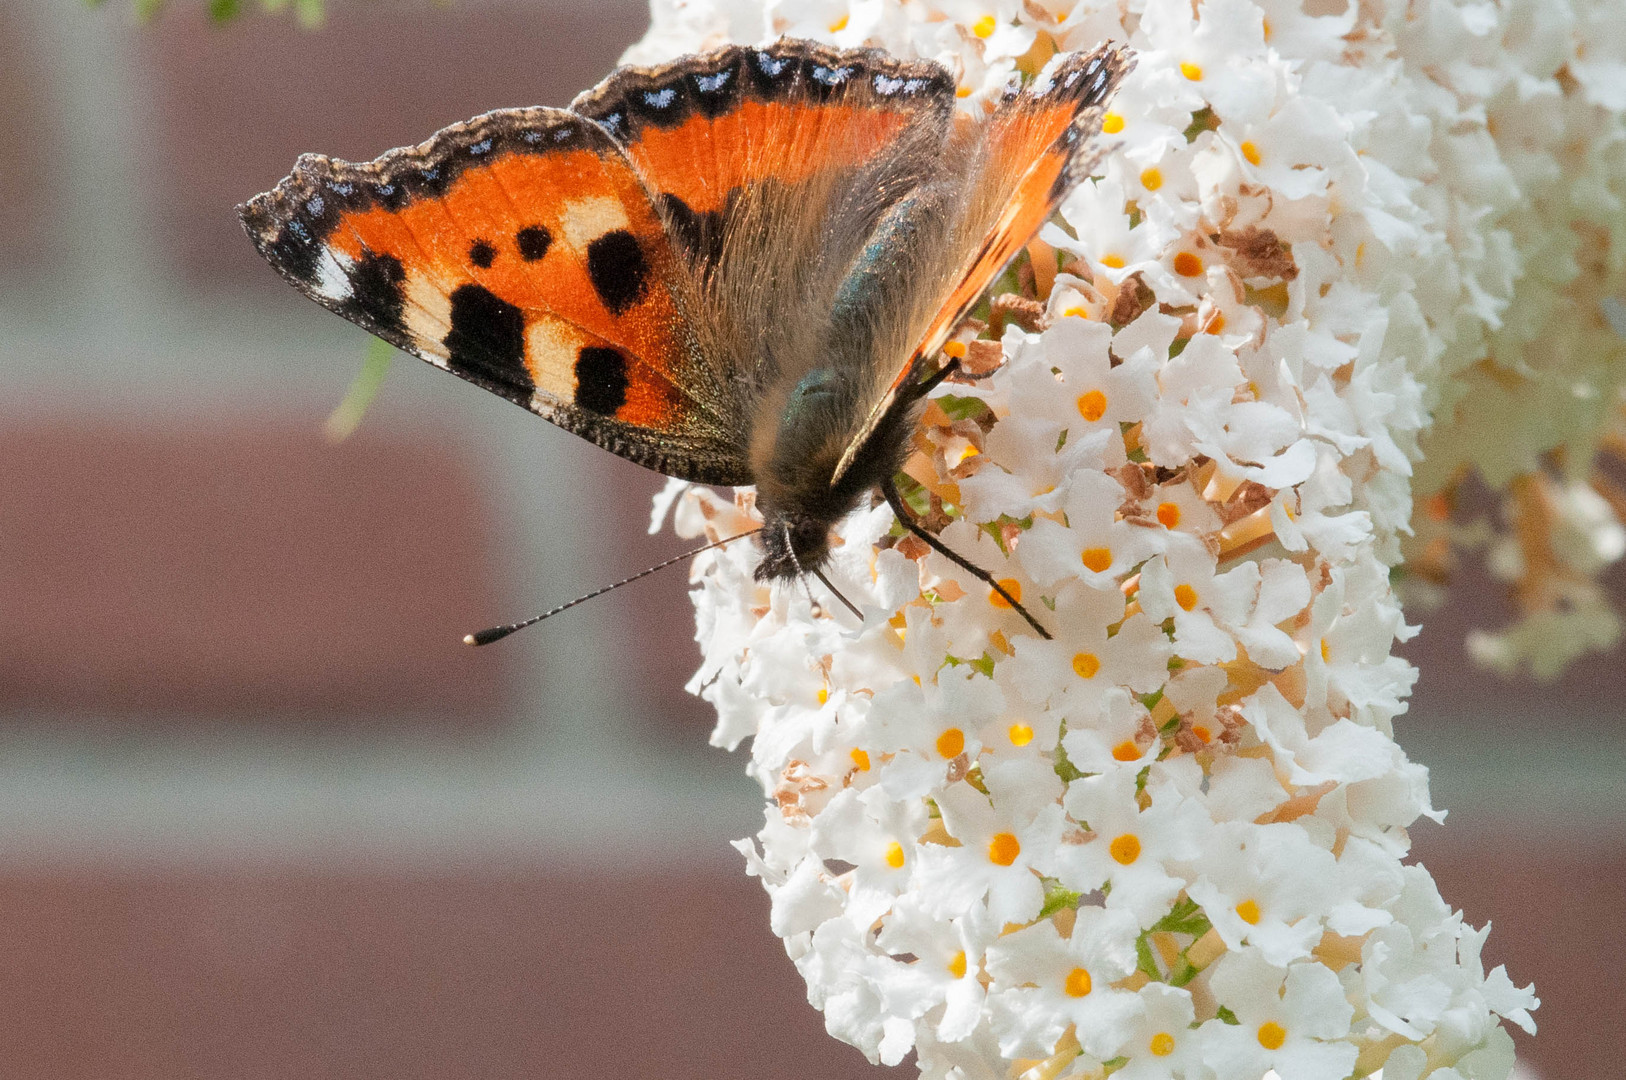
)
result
[(1044, 982)]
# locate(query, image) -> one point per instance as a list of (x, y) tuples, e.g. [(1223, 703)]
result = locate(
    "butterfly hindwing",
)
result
[(520, 251)]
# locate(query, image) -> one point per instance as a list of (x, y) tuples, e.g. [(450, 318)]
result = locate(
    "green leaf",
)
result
[(1226, 1016), (343, 421), (1186, 917), (1056, 897), (1145, 962), (1202, 120), (1064, 768), (225, 10), (961, 408), (1183, 974)]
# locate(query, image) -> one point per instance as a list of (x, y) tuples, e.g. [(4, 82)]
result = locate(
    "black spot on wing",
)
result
[(482, 254), (377, 296), (533, 242), (601, 380), (619, 273), (487, 338), (699, 236)]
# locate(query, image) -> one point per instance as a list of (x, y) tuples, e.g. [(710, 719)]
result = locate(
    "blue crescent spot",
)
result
[(831, 76), (710, 84), (316, 205), (770, 65), (887, 85), (480, 147)]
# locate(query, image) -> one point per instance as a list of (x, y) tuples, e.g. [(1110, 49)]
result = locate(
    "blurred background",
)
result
[(261, 815)]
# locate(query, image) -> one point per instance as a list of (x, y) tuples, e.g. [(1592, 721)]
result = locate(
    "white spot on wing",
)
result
[(585, 220), (550, 352), (333, 275), (428, 316)]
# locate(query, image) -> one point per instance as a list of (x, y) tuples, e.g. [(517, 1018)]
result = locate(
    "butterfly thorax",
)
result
[(799, 502)]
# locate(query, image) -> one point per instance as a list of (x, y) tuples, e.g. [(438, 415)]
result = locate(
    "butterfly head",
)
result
[(793, 546)]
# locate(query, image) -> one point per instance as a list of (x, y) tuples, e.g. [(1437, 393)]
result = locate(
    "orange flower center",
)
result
[(1092, 405), (1078, 983), (1004, 848), (1125, 849)]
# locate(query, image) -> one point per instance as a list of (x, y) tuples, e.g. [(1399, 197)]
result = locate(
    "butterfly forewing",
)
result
[(520, 251)]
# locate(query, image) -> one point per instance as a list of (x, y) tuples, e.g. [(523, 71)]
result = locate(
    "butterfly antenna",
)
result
[(907, 518), (802, 572), (497, 633)]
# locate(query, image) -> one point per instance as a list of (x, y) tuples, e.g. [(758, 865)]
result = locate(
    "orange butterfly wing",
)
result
[(520, 251), (1037, 146), (703, 128)]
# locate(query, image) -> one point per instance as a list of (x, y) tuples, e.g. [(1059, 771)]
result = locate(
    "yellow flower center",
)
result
[(1251, 152), (894, 855), (1112, 123), (1162, 1044), (1272, 1035), (985, 26), (1185, 596), (824, 694), (1326, 653), (951, 743), (861, 759), (1248, 912), (1004, 848), (962, 91), (1126, 751), (1125, 849), (1187, 265), (1202, 733), (1085, 665), (1078, 983), (1168, 514), (1077, 312), (955, 349), (1215, 325), (1010, 585), (1116, 262), (1194, 72), (839, 25), (1096, 559), (1151, 179), (1020, 734), (1092, 405), (956, 966)]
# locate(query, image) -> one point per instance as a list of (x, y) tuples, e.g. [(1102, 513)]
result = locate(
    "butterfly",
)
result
[(737, 268)]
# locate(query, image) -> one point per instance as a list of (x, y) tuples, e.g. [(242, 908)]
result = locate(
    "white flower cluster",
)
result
[(1535, 391), (1169, 842)]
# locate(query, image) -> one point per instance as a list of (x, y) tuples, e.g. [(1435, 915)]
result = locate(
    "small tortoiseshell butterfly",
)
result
[(736, 268)]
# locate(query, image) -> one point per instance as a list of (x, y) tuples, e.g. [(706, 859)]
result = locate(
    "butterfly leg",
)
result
[(889, 489)]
